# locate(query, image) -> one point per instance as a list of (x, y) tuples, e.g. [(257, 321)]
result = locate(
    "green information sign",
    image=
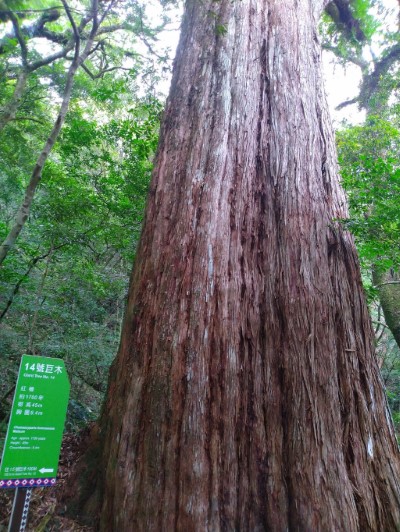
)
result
[(33, 441)]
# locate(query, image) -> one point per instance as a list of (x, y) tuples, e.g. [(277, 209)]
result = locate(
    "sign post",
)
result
[(34, 435), (19, 512)]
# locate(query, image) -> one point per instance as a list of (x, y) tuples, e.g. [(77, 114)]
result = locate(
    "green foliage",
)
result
[(63, 287), (85, 223), (361, 10), (348, 28), (363, 33), (221, 29), (369, 160), (368, 157), (25, 4), (388, 354)]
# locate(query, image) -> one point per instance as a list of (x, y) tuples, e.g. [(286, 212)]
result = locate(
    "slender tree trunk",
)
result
[(245, 394), (36, 176), (25, 276), (38, 304), (24, 209), (10, 110), (17, 286)]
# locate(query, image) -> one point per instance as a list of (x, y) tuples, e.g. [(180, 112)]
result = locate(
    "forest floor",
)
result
[(45, 510)]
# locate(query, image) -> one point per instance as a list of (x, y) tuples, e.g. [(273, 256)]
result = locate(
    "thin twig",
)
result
[(27, 118), (379, 323), (102, 72), (17, 287), (387, 282), (74, 28)]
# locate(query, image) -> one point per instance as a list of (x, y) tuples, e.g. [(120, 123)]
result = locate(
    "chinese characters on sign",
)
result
[(33, 441)]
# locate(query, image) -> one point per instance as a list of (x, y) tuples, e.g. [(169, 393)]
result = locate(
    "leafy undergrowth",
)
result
[(45, 510)]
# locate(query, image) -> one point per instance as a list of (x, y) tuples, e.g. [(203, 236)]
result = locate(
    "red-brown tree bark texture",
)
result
[(245, 394)]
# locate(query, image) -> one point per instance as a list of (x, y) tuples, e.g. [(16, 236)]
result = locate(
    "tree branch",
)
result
[(38, 29), (29, 118), (371, 81), (356, 60), (379, 324), (342, 15), (22, 12), (51, 58), (20, 38), (347, 102)]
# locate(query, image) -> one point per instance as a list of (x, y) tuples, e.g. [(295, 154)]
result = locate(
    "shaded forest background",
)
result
[(64, 278)]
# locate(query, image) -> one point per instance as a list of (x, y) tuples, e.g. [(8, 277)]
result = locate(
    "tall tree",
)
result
[(62, 289), (368, 156), (245, 394), (351, 40), (92, 50)]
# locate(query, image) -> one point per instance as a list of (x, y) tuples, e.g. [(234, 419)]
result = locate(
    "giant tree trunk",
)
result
[(245, 394)]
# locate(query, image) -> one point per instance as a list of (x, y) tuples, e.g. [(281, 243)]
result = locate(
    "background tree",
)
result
[(351, 37), (62, 288), (369, 156), (90, 52)]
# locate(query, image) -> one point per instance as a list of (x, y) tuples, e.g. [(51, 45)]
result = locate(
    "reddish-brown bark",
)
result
[(245, 394)]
